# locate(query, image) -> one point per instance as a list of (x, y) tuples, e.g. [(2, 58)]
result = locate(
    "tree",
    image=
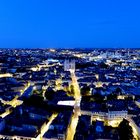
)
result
[(118, 90), (103, 65), (112, 96), (49, 94), (125, 130), (98, 98), (85, 91), (34, 100)]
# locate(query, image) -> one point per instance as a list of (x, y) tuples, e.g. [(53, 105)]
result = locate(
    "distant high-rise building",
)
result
[(128, 53), (69, 65)]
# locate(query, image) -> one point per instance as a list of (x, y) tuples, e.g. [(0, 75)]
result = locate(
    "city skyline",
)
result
[(69, 94)]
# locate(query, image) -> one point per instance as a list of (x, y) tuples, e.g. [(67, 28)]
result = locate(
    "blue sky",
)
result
[(69, 23)]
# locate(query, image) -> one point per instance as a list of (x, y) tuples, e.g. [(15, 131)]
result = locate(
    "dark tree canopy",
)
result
[(98, 98), (118, 90), (112, 96), (103, 65), (85, 90), (49, 94), (125, 130), (34, 100)]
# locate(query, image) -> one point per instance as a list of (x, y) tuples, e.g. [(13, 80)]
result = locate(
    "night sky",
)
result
[(69, 23)]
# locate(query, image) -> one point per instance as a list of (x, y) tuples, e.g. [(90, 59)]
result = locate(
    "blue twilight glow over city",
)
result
[(69, 23)]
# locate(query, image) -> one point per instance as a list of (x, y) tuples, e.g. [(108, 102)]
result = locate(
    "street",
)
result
[(76, 111)]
